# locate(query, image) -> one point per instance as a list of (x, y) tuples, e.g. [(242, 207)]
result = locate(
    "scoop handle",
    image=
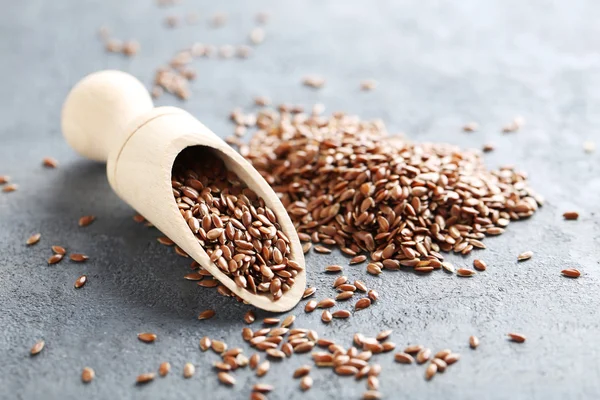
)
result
[(98, 109)]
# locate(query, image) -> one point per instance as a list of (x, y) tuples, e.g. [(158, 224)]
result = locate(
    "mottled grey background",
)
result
[(439, 65)]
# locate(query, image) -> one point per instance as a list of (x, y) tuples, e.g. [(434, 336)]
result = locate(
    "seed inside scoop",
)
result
[(240, 234)]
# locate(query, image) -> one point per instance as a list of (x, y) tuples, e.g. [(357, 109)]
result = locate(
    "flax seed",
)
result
[(358, 259), (517, 337), (206, 314), (188, 370), (249, 317), (479, 265), (571, 273), (218, 346), (451, 358), (464, 272), (55, 258), (306, 383), (263, 368), (205, 343), (164, 369), (333, 268), (362, 304), (431, 370), (341, 314), (145, 378), (59, 250), (80, 282), (147, 337), (326, 316), (37, 348), (423, 355), (33, 239), (78, 257), (571, 215), (473, 342), (525, 256), (371, 395), (404, 358), (11, 187), (360, 286), (87, 375), (271, 321), (326, 303), (309, 292)]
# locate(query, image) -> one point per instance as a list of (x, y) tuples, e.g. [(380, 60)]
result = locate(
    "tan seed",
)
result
[(360, 286), (86, 220), (571, 215), (78, 257), (362, 304), (372, 383), (479, 265), (288, 321), (310, 306), (431, 370), (4, 179), (525, 256), (145, 378), (413, 349), (59, 250), (205, 343), (373, 269), (87, 375), (11, 187), (517, 337), (326, 303), (423, 355), (341, 314), (344, 295), (226, 378), (358, 259), (404, 358), (164, 369), (346, 370), (373, 295), (55, 258), (571, 273), (465, 273), (254, 360), (441, 364), (165, 241), (249, 317), (37, 348), (49, 162), (147, 337), (309, 292), (471, 127), (306, 383), (371, 395), (271, 321), (263, 368), (33, 239), (302, 371), (326, 316), (188, 370), (473, 342), (262, 388), (451, 358), (322, 249), (333, 268), (383, 335), (206, 314), (442, 354), (80, 282), (276, 353), (218, 346)]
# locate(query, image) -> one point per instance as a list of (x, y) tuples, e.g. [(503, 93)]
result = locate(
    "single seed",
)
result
[(205, 343), (87, 375), (11, 187), (360, 286), (516, 337), (473, 342), (138, 218), (383, 335), (404, 358), (147, 337), (145, 378), (306, 383), (188, 370), (275, 353), (263, 388), (333, 268), (525, 256), (218, 346), (263, 368), (322, 249), (55, 258), (441, 364), (326, 316), (206, 314), (442, 354), (465, 273), (4, 179), (271, 321), (288, 321), (226, 378), (423, 355), (431, 370), (373, 295), (368, 84), (39, 346), (249, 317), (86, 220), (479, 265), (571, 273), (341, 314), (571, 215), (413, 349), (372, 383), (309, 292), (362, 304), (451, 358), (164, 369), (59, 250), (254, 360), (80, 281), (302, 371), (78, 257), (371, 395), (358, 259), (340, 280), (471, 127), (165, 241), (326, 303), (33, 239), (49, 162), (346, 370)]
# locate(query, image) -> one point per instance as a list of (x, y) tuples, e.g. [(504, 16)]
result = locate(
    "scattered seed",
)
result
[(571, 273), (333, 268), (257, 35), (473, 342), (589, 146), (442, 354), (87, 375), (451, 358), (525, 256), (205, 343), (302, 371), (368, 84), (164, 369), (431, 370), (78, 257), (206, 314), (309, 292), (314, 81), (362, 304), (55, 258), (271, 321), (80, 282), (423, 355), (326, 303), (471, 127), (249, 317), (322, 249), (306, 383), (326, 316), (188, 370), (288, 321), (59, 250), (358, 259), (263, 388), (147, 337), (11, 187), (341, 314), (383, 335), (37, 348), (145, 378), (33, 239), (571, 215), (263, 368), (4, 179), (165, 241), (464, 272), (516, 337), (371, 395), (86, 220), (479, 265), (373, 295), (219, 346), (404, 358), (360, 286), (413, 349)]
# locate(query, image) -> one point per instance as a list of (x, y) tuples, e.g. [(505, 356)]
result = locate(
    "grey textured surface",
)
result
[(439, 65)]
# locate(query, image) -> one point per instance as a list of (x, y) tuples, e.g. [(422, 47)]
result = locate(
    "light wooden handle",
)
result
[(98, 109)]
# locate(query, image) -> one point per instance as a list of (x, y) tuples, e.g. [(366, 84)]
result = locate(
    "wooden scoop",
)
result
[(109, 116)]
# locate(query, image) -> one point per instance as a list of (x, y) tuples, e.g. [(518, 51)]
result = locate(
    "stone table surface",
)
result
[(439, 64)]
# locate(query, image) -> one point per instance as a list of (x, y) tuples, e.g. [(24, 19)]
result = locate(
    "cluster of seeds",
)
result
[(128, 48), (239, 232), (345, 183)]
